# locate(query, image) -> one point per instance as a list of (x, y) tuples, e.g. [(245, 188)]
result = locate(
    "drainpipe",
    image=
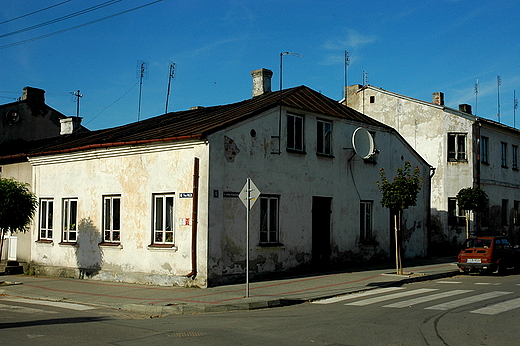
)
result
[(194, 213)]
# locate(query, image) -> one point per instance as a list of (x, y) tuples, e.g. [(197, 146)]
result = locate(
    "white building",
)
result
[(157, 201), (465, 150)]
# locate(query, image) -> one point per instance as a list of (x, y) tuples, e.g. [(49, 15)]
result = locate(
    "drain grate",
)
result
[(184, 334)]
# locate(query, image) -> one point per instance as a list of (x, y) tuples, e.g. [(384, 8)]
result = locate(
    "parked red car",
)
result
[(488, 254)]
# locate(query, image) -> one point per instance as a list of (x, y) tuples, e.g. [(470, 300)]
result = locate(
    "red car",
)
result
[(488, 254)]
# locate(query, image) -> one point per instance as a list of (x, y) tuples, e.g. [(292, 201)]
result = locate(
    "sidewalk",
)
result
[(159, 300)]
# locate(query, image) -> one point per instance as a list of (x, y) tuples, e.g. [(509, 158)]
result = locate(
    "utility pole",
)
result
[(170, 77), (78, 97), (142, 72), (347, 63)]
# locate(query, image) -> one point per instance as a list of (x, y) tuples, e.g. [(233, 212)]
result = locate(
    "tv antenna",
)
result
[(170, 77), (476, 96), (347, 63), (142, 72), (515, 106), (499, 82)]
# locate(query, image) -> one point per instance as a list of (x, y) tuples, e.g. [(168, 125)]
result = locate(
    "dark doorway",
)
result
[(321, 211)]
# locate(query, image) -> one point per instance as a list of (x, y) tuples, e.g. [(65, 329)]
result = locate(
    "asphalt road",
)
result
[(463, 310)]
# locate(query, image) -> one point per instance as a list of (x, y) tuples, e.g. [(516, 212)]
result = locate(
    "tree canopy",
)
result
[(17, 205), (472, 198), (402, 192)]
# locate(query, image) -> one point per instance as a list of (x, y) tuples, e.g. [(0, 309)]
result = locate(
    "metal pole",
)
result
[(247, 234)]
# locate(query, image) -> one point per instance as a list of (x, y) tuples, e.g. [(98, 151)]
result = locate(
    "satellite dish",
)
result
[(363, 143), (12, 116)]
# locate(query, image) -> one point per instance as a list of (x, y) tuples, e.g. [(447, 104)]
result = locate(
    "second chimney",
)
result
[(438, 98), (261, 81)]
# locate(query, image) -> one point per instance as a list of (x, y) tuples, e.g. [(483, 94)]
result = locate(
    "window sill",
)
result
[(457, 161), (328, 156), (45, 241), (296, 151), (270, 245), (68, 243), (162, 247), (110, 245)]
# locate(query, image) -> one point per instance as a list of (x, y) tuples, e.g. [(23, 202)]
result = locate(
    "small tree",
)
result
[(398, 196), (471, 199), (17, 207)]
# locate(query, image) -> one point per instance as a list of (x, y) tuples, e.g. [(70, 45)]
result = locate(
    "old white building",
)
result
[(465, 150), (157, 201)]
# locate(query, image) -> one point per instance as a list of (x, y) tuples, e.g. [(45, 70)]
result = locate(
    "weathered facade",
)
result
[(157, 201), (465, 150)]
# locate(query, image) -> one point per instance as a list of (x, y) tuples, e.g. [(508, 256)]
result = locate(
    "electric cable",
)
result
[(31, 13)]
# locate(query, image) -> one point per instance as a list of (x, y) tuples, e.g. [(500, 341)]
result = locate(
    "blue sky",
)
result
[(413, 48)]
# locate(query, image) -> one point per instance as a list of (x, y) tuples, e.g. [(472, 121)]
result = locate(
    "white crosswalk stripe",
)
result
[(499, 308), (391, 296), (357, 295), (70, 306), (469, 300), (429, 298)]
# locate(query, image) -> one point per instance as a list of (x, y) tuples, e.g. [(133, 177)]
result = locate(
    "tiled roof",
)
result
[(195, 123)]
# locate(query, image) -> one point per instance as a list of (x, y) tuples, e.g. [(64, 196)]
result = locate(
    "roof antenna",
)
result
[(142, 72), (78, 96), (170, 77)]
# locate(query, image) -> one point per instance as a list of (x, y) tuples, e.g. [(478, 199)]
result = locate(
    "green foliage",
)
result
[(17, 205), (472, 198), (402, 192)]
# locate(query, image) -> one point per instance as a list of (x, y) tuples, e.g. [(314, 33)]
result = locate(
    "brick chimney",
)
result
[(465, 108), (33, 94), (438, 98), (261, 81)]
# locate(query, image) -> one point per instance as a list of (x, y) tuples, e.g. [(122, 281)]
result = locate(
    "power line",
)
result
[(60, 19), (31, 13), (77, 26), (110, 105)]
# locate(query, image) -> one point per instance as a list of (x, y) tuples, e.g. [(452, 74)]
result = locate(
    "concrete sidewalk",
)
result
[(158, 300)]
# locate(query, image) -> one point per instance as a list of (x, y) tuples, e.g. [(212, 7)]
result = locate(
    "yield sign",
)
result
[(249, 193)]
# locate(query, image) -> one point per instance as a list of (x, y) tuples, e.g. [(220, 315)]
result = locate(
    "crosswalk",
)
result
[(401, 297), (34, 310)]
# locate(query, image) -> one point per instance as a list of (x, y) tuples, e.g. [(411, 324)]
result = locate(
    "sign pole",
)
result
[(247, 234)]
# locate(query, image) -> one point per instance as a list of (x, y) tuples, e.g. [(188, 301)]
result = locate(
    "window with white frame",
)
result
[(269, 220), (46, 219), (69, 220), (457, 147), (365, 221), (295, 136), (324, 137), (163, 225), (112, 219), (503, 154), (484, 148)]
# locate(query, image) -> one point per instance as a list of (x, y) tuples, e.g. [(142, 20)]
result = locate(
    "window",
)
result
[(505, 210), (503, 151), (372, 99), (455, 214), (294, 132), (111, 219), (514, 157), (484, 147), (365, 221), (324, 137), (46, 219), (70, 220), (457, 147), (163, 219), (516, 209), (269, 220)]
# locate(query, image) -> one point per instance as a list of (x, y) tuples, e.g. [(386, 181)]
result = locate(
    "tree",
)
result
[(17, 207), (398, 196), (471, 199)]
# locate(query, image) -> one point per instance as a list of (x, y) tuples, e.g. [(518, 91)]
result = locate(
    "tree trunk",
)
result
[(397, 226), (2, 244)]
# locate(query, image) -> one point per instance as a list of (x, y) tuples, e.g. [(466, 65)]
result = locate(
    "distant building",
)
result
[(157, 201), (465, 150)]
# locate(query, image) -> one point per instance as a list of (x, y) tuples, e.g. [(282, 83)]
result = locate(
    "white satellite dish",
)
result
[(363, 143)]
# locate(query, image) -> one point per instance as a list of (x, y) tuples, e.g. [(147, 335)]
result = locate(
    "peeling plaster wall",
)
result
[(134, 173), (425, 126), (296, 178)]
